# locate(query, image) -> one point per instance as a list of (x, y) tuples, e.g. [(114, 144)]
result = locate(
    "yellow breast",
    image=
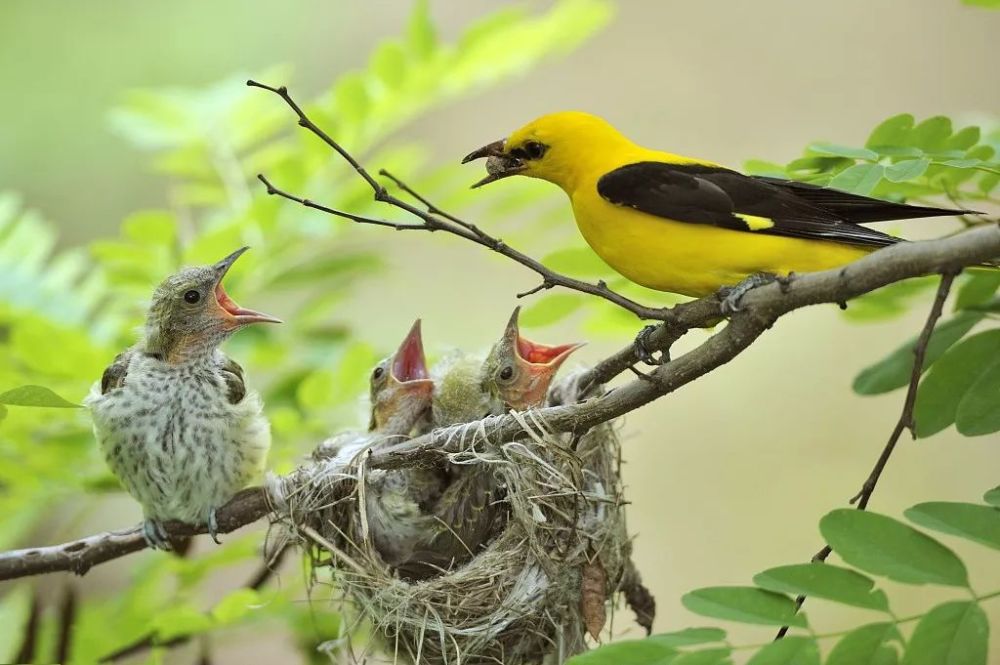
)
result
[(693, 259)]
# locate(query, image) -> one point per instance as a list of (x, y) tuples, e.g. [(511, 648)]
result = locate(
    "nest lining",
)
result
[(517, 601)]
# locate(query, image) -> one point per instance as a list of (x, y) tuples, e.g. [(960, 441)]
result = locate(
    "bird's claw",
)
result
[(155, 535), (213, 526), (642, 350), (730, 296)]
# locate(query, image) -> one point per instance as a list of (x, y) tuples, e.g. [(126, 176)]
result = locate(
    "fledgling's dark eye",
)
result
[(534, 150), (192, 296), (379, 371), (506, 373)]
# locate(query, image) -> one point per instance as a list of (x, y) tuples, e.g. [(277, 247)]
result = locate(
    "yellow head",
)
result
[(559, 147)]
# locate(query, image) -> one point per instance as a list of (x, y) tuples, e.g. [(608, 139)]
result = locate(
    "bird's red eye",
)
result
[(192, 296)]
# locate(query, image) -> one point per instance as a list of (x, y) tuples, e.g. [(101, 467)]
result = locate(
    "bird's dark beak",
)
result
[(498, 163), (234, 315), (494, 149)]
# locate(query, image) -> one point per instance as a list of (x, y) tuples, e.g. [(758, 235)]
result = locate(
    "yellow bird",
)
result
[(685, 225)]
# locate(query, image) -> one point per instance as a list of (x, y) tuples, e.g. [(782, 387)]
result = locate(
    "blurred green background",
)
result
[(726, 477)]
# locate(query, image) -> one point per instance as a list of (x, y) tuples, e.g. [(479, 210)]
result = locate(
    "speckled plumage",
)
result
[(174, 439), (172, 414)]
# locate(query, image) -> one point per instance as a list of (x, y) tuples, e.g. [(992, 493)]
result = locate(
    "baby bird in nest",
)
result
[(516, 374), (396, 501), (172, 414)]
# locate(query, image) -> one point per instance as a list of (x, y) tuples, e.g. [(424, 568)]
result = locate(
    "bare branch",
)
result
[(434, 219), (79, 556), (905, 421)]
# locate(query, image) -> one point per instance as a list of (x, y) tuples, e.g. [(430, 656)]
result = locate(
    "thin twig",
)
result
[(905, 422), (434, 219)]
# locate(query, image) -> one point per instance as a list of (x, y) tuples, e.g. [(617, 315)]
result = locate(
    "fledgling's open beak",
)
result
[(408, 393), (498, 163), (409, 366), (537, 364), (234, 315)]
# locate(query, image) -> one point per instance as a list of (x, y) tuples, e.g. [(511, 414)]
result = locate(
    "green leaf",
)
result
[(867, 645), (988, 4), (954, 633), (889, 301), (153, 227), (992, 497), (988, 182), (969, 520), (236, 605), (3, 412), (421, 36), (964, 138), (908, 169), (833, 150), (744, 604), (716, 656), (931, 135), (894, 370), (389, 64), (883, 546), (891, 132), (579, 261), (690, 636), (792, 650), (628, 652), (761, 167), (35, 396), (823, 580), (352, 100), (951, 378), (858, 179), (181, 620), (979, 288), (551, 309), (979, 411)]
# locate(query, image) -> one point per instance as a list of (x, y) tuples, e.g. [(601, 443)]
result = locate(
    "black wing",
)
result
[(114, 375), (720, 197), (854, 208), (232, 374)]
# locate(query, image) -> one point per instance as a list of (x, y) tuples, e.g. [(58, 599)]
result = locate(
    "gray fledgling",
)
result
[(516, 374), (172, 414)]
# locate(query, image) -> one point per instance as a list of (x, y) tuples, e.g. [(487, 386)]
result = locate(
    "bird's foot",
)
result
[(785, 281), (730, 296), (642, 350), (213, 526), (155, 535)]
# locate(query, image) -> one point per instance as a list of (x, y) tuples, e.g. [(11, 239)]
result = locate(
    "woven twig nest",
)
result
[(531, 594)]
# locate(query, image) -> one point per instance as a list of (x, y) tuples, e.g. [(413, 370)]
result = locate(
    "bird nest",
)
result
[(531, 594)]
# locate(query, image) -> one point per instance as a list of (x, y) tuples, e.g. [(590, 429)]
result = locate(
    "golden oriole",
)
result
[(684, 225)]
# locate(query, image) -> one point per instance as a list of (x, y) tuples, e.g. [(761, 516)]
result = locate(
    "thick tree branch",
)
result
[(760, 309), (79, 556), (906, 420)]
